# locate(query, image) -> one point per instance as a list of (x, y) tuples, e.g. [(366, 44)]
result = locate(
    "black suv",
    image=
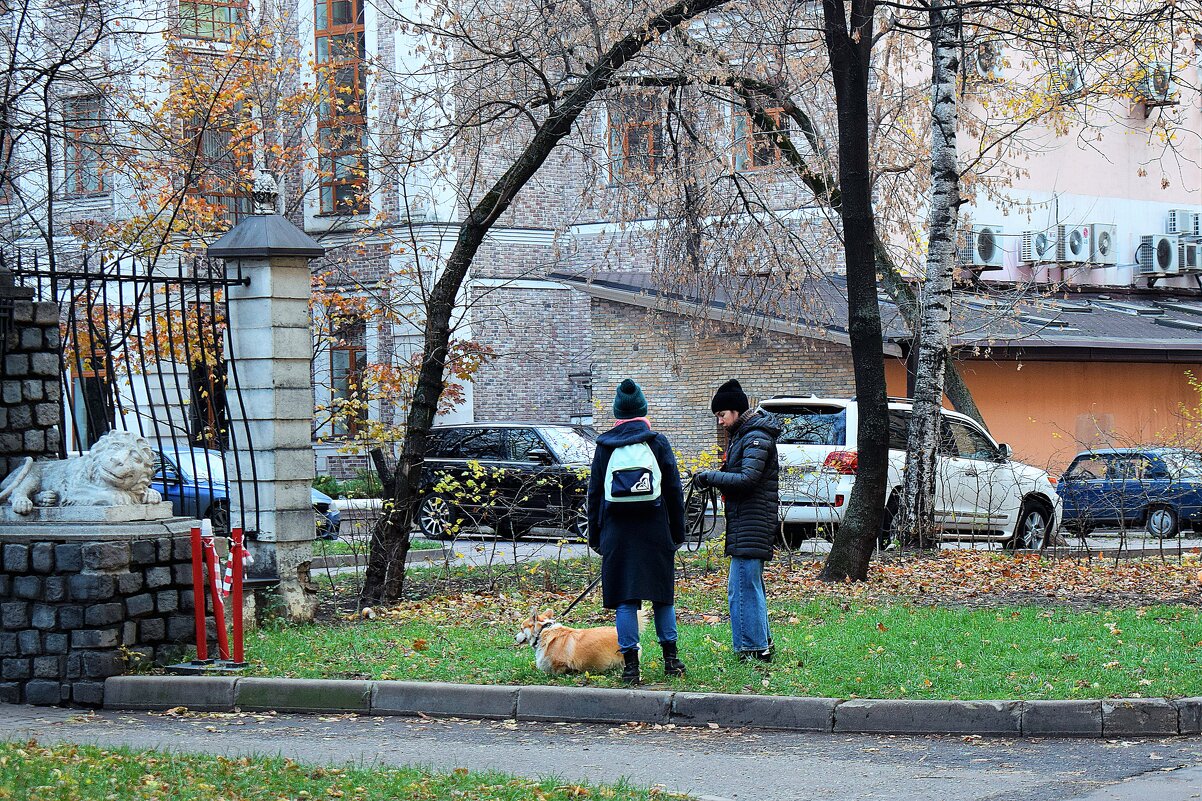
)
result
[(510, 476)]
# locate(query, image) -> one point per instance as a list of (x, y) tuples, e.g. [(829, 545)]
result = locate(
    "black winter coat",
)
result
[(636, 541), (749, 482)]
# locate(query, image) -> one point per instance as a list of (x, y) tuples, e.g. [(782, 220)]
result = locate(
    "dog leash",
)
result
[(698, 529), (579, 598)]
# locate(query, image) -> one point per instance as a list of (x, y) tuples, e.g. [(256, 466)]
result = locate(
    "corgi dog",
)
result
[(562, 649)]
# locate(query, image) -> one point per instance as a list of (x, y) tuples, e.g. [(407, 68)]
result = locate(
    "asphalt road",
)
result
[(479, 550), (709, 764)]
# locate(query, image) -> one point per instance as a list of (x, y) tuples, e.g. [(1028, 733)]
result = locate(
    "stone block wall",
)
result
[(31, 387), (680, 361), (78, 606)]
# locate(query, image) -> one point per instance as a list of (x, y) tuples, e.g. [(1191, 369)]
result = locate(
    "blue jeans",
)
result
[(748, 605), (626, 618)]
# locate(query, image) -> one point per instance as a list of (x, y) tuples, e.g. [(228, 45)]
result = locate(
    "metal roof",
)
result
[(1078, 323), (265, 235)]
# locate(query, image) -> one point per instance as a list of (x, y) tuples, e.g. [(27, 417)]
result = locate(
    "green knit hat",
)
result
[(629, 401)]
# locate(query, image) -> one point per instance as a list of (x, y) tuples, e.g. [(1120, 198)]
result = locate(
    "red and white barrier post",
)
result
[(238, 557), (198, 595), (210, 551)]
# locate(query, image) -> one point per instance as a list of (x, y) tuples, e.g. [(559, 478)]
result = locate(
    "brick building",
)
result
[(387, 216)]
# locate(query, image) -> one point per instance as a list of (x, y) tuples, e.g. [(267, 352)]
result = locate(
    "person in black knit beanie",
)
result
[(748, 481)]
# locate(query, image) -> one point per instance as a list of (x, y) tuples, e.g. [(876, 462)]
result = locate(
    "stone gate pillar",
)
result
[(270, 348), (30, 382)]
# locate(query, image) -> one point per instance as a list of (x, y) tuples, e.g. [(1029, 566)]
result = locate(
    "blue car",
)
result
[(1159, 489), (193, 479)]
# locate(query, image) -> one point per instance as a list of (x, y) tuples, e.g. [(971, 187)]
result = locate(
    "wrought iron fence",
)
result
[(143, 348)]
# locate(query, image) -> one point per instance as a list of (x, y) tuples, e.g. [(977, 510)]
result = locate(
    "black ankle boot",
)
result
[(630, 673), (672, 665)]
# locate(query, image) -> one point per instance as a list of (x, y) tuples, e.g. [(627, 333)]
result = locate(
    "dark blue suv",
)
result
[(1159, 489)]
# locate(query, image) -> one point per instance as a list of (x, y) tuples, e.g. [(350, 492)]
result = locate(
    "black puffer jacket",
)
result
[(749, 481)]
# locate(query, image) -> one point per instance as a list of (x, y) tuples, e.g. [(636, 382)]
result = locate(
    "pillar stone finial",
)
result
[(264, 194)]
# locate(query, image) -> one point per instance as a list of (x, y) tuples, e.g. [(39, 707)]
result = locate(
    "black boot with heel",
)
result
[(672, 664), (630, 672)]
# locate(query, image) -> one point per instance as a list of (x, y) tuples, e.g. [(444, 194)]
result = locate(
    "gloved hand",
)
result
[(702, 480)]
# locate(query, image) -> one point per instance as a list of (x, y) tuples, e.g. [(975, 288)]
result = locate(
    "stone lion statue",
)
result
[(116, 471)]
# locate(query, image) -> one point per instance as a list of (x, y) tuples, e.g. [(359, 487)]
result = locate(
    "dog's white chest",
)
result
[(541, 660)]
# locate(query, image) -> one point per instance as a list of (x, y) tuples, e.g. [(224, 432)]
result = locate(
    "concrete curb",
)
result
[(1112, 717)]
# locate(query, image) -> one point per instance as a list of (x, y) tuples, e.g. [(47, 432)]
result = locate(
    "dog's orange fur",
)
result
[(562, 649)]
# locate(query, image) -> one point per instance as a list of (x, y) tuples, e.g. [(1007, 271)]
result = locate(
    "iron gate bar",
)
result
[(107, 303)]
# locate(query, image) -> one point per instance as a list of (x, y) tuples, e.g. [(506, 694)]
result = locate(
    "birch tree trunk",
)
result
[(916, 513), (904, 298)]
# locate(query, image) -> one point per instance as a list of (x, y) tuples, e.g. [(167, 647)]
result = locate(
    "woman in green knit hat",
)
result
[(636, 522)]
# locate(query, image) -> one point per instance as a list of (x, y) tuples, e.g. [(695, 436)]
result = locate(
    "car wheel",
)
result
[(1034, 527), (889, 533), (434, 518), (219, 515), (578, 527), (1161, 522)]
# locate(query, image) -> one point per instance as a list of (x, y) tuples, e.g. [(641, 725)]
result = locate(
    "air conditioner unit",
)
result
[(1157, 254), (1075, 243), (1103, 241), (1187, 258), (981, 247), (1182, 222), (987, 60), (1040, 247), (1066, 80), (1154, 83)]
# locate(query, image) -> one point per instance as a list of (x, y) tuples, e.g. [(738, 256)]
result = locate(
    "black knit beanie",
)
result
[(730, 397), (629, 401)]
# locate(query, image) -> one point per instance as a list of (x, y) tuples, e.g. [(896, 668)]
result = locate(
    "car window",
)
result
[(811, 425), (442, 444), (967, 442), (163, 467), (521, 442), (572, 446), (468, 443), (1127, 468), (1087, 468), (482, 443), (1183, 465), (899, 429)]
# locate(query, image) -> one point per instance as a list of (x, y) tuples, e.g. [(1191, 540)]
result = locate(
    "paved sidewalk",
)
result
[(720, 765)]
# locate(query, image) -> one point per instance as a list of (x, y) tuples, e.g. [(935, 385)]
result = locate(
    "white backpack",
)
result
[(633, 475)]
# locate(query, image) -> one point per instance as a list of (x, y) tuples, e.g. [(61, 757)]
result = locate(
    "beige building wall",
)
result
[(1048, 411)]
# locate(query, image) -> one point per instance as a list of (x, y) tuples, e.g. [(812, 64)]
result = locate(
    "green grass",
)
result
[(825, 647), (31, 772)]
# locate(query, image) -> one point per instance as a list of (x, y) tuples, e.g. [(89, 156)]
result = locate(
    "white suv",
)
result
[(980, 492)]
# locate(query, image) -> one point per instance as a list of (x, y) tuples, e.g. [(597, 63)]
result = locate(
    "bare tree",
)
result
[(390, 540)]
